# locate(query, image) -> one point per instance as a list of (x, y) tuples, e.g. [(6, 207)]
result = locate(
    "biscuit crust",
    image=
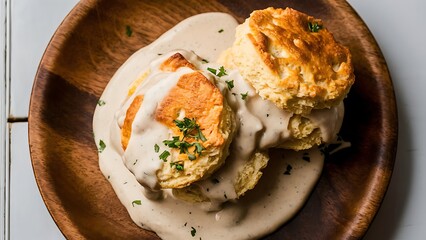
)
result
[(213, 118), (194, 97), (289, 63), (247, 178)]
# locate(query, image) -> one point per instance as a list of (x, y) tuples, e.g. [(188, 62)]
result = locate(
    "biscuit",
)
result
[(246, 180), (209, 110), (213, 116), (304, 134), (291, 59)]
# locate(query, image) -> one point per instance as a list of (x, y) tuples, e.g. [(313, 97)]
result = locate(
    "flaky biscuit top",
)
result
[(292, 59)]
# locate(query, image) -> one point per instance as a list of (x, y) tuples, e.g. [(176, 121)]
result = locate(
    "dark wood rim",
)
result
[(91, 44)]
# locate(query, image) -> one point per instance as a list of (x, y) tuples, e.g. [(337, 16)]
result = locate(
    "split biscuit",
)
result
[(210, 112), (291, 59), (247, 178)]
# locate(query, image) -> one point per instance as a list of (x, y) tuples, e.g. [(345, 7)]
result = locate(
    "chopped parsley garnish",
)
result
[(230, 84), (101, 146), (288, 170), (314, 27), (204, 61), (177, 143), (164, 155), (198, 148), (189, 129), (244, 95), (193, 231), (220, 31), (177, 165), (220, 72), (186, 125), (156, 148), (191, 156), (129, 31), (172, 143), (212, 70), (136, 202), (101, 102)]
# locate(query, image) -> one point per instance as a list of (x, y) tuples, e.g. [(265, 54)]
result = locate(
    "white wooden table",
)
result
[(27, 25)]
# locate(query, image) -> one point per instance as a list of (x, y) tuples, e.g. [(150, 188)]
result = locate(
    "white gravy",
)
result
[(286, 182)]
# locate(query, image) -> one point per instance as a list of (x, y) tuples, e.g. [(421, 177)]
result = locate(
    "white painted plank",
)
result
[(29, 218), (32, 26), (3, 126)]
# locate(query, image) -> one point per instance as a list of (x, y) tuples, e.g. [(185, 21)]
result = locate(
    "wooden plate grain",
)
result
[(92, 43)]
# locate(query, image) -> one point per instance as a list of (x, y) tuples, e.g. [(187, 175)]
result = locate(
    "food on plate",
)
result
[(247, 177), (291, 59), (185, 135), (202, 125)]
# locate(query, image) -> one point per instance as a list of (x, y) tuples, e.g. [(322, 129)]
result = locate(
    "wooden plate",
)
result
[(91, 44)]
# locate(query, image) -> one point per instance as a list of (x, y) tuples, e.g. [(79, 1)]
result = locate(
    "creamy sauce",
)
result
[(286, 182)]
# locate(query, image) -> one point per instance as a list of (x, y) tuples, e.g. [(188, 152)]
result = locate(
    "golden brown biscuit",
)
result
[(209, 111), (126, 130), (304, 134), (213, 116), (247, 178), (291, 59), (175, 62)]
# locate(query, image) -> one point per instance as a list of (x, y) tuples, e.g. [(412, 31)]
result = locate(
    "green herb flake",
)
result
[(177, 165), (220, 31), (129, 31), (204, 61), (198, 148), (136, 202), (191, 156), (200, 136), (314, 27), (186, 125), (190, 129), (193, 231), (244, 95), (220, 72), (212, 70), (156, 148), (164, 155), (101, 146), (101, 102), (230, 84)]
